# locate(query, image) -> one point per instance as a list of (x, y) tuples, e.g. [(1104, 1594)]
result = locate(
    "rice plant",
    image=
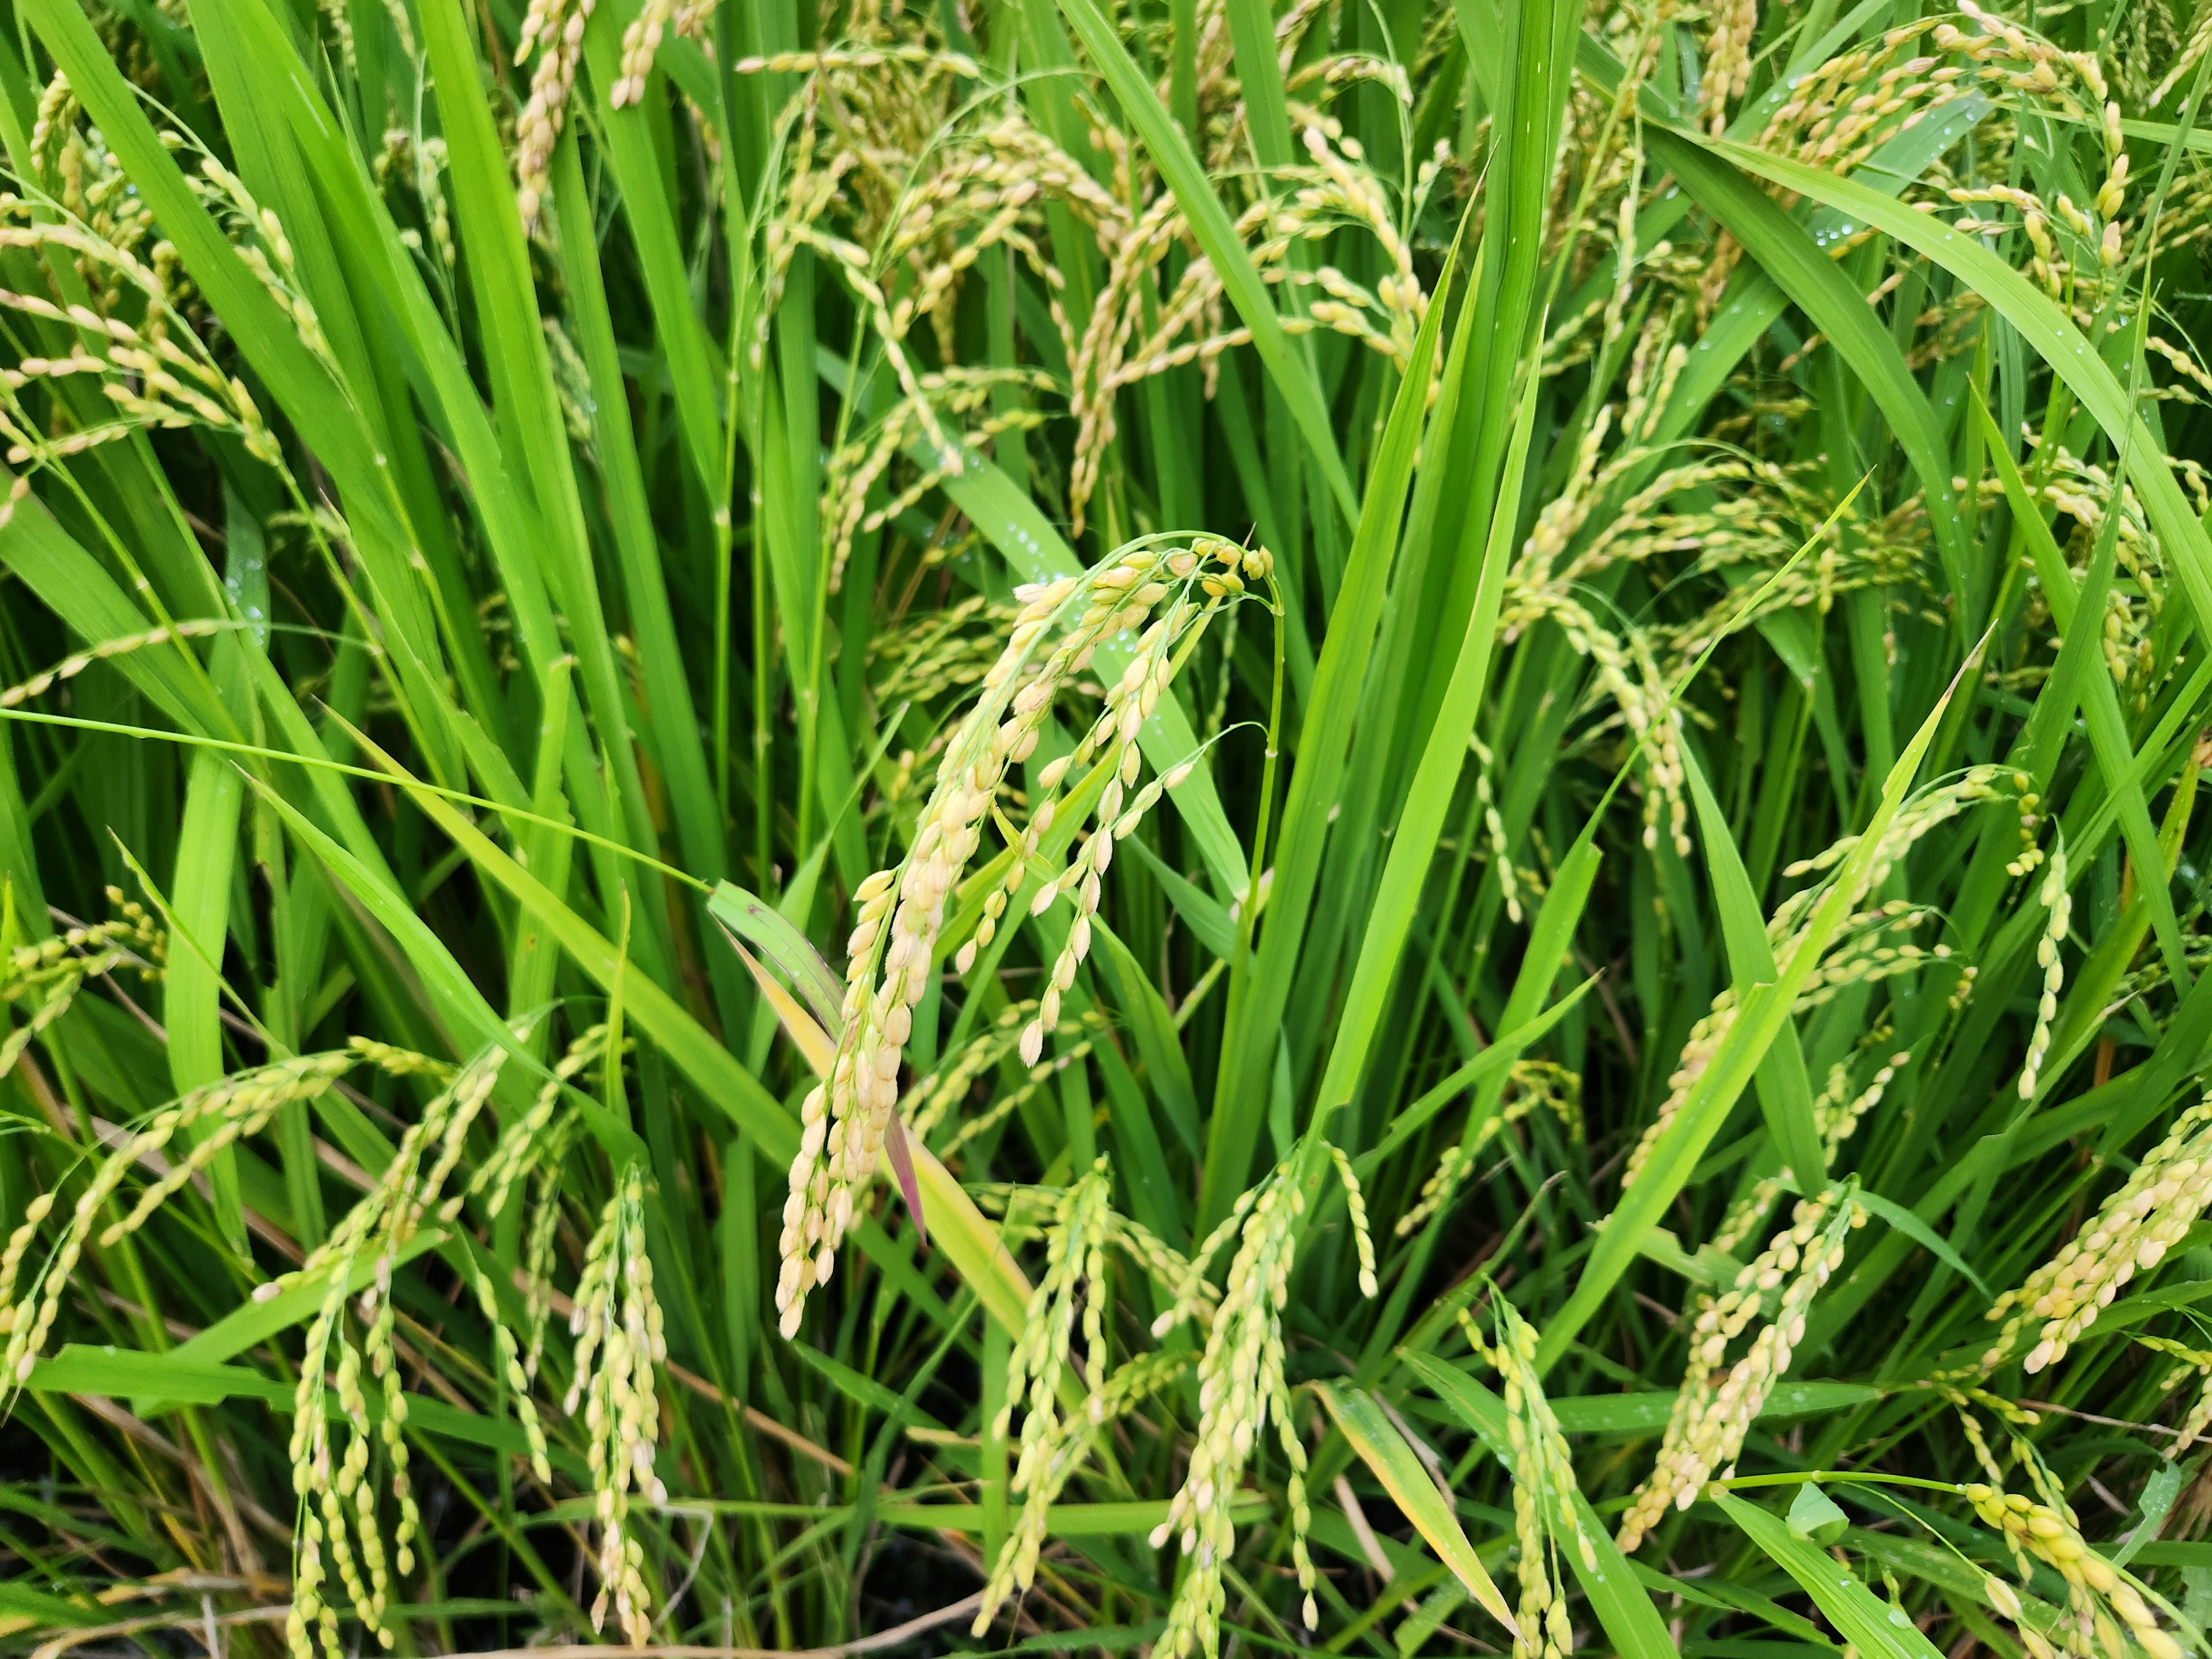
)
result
[(1059, 826)]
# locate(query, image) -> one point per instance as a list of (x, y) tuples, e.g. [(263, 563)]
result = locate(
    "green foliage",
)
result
[(1091, 825)]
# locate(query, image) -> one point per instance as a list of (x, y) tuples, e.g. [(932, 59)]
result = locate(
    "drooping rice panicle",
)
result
[(1714, 1409), (890, 953), (2131, 1232)]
